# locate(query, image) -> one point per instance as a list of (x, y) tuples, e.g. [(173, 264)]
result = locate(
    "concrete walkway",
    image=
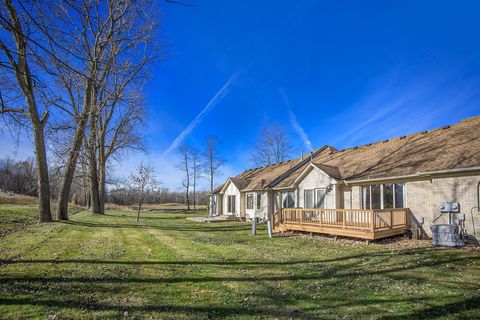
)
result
[(214, 219)]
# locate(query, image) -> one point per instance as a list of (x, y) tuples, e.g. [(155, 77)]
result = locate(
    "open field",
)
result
[(153, 207), (171, 268)]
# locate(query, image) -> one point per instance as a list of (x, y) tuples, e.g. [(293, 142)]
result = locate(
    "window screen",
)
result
[(308, 198), (320, 198)]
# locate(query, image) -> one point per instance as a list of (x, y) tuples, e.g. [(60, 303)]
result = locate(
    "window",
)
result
[(320, 198), (308, 198), (259, 201), (288, 200), (376, 196), (231, 204), (478, 197), (387, 196), (383, 196), (366, 200), (249, 201), (399, 195)]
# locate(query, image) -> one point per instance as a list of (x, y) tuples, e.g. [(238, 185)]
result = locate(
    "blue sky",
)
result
[(341, 73)]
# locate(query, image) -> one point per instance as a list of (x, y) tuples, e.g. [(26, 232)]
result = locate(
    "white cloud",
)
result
[(216, 98), (400, 103), (295, 124)]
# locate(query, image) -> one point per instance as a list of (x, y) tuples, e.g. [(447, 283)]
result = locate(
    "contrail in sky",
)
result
[(217, 98), (296, 125)]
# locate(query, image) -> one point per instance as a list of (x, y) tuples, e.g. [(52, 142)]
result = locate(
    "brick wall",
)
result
[(423, 199)]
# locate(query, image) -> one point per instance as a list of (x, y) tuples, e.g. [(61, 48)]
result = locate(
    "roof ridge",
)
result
[(427, 131)]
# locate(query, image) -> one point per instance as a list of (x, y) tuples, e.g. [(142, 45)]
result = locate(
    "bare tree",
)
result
[(142, 181), (196, 173), (273, 146), (185, 167), (212, 160), (17, 53), (119, 108), (107, 41)]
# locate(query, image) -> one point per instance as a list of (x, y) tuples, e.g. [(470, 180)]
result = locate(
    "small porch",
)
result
[(365, 224)]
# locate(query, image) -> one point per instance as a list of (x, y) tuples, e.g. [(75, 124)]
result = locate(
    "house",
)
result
[(370, 191)]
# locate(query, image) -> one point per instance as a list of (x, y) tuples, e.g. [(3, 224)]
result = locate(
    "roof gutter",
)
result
[(417, 175)]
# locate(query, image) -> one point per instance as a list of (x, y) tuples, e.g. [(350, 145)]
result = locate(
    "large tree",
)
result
[(273, 146), (105, 44), (18, 53)]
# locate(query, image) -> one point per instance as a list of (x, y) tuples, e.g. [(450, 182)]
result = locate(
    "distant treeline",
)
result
[(128, 196), (19, 177)]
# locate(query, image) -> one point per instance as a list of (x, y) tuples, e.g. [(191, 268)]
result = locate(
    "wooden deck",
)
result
[(364, 224)]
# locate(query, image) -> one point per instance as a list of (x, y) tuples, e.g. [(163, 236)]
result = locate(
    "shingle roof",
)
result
[(217, 189), (240, 183), (449, 147), (260, 178)]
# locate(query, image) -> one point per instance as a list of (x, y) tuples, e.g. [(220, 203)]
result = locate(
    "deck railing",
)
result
[(368, 220)]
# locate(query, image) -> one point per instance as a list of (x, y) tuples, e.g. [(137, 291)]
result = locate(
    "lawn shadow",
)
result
[(211, 228), (270, 300)]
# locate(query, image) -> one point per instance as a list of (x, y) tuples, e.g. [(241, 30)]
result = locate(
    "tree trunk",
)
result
[(194, 190), (62, 209), (101, 188), (138, 212), (24, 80), (211, 166), (93, 181), (44, 211), (92, 165)]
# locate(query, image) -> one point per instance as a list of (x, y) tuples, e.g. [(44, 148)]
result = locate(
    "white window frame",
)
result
[(284, 194), (231, 204), (478, 196), (324, 199), (305, 198), (253, 201), (382, 205)]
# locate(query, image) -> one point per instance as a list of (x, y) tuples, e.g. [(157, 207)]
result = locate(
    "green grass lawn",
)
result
[(167, 267)]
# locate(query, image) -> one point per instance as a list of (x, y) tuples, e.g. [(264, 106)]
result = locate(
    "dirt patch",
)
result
[(390, 243), (13, 229)]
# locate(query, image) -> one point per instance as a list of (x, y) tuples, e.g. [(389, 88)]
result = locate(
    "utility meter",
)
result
[(449, 207)]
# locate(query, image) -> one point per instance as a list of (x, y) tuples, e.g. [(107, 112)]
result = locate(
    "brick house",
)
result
[(370, 191)]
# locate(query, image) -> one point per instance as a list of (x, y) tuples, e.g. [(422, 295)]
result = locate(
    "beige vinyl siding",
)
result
[(232, 190), (317, 179), (262, 212)]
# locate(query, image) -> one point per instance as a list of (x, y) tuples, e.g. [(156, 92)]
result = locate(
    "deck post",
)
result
[(391, 219), (343, 218), (372, 219)]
